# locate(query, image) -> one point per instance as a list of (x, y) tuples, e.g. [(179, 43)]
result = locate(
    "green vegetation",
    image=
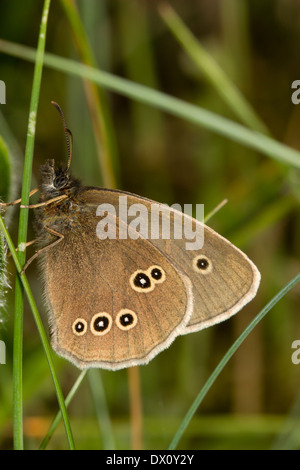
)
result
[(180, 103)]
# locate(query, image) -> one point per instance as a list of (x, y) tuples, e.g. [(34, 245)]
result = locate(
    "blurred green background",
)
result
[(255, 402)]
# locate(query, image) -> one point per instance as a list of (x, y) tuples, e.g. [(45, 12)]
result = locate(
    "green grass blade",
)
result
[(212, 71), (22, 235), (42, 333), (21, 282), (199, 116), (58, 417), (189, 415)]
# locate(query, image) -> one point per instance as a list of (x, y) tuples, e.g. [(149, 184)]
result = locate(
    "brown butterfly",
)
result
[(115, 297)]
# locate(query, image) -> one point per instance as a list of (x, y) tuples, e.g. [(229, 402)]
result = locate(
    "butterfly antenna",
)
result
[(68, 134)]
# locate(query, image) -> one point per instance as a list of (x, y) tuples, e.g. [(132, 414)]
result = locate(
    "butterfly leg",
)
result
[(26, 245), (44, 203), (58, 240), (17, 201)]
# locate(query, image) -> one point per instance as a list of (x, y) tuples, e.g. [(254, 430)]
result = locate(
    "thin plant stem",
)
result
[(58, 417), (19, 259), (42, 333), (135, 408), (22, 235), (215, 210), (200, 397)]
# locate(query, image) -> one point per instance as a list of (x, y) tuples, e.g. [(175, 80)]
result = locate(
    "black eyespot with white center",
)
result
[(157, 274), (145, 281), (202, 264), (101, 323), (126, 319), (79, 327), (140, 282)]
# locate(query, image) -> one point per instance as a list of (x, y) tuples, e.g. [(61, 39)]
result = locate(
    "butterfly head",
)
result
[(56, 180)]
